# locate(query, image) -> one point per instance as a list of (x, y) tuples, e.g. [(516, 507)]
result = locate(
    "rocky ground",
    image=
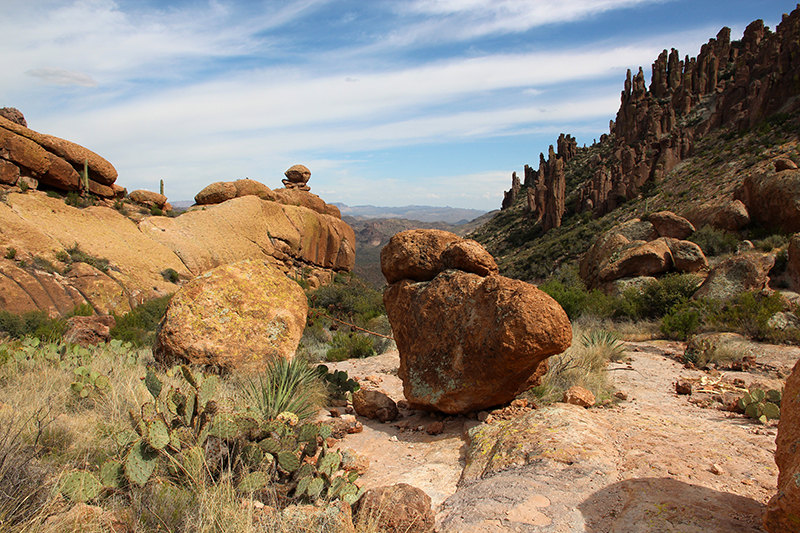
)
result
[(654, 462)]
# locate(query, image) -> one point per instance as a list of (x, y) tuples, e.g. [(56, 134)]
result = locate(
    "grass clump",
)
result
[(349, 346), (36, 324), (291, 386), (74, 254)]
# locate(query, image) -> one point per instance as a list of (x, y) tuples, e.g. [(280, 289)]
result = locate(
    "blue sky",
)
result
[(426, 102)]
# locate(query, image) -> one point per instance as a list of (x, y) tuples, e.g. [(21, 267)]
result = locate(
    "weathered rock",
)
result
[(101, 172), (783, 510), (374, 404), (148, 198), (303, 198), (686, 256), (89, 330), (618, 287), (730, 215), (469, 256), (737, 274), (668, 224), (646, 259), (782, 164), (248, 187), (335, 516), (784, 321), (14, 115), (773, 199), (415, 255), (579, 396), (105, 294), (297, 178), (683, 386), (466, 342), (398, 508), (216, 193), (238, 316)]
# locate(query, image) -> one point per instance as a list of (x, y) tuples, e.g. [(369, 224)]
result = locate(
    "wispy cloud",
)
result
[(59, 76)]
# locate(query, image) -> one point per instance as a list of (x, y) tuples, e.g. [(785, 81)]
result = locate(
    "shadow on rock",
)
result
[(665, 504)]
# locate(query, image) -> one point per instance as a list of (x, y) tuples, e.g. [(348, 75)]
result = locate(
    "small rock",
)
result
[(483, 415), (489, 419), (335, 413), (435, 428), (579, 396), (620, 395), (357, 427), (683, 387), (393, 438)]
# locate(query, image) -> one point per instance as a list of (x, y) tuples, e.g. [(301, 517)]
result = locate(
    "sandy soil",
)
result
[(666, 463)]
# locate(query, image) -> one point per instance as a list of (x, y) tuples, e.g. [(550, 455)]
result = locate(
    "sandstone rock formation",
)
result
[(398, 508), (737, 274), (783, 510), (631, 249), (668, 224), (222, 191), (466, 341), (39, 228), (150, 199), (240, 315), (52, 162), (547, 186), (297, 178)]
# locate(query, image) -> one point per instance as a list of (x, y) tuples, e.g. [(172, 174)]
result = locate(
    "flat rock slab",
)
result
[(654, 463)]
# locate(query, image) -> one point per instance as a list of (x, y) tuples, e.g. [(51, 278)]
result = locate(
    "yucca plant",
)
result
[(608, 343), (286, 386)]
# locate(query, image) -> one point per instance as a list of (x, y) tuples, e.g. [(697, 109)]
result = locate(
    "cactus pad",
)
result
[(270, 445), (140, 463), (288, 461), (325, 432), (157, 434), (315, 487), (771, 411), (307, 433), (80, 486), (224, 427), (254, 482), (152, 383), (112, 474), (329, 463)]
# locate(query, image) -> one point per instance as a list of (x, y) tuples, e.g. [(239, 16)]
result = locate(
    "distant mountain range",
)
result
[(422, 213)]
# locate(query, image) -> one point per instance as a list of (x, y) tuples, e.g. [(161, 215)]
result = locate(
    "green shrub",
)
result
[(74, 254), (572, 299), (681, 322), (658, 298), (349, 297), (11, 253), (171, 275), (349, 346), (84, 309), (139, 325), (156, 211), (748, 314), (32, 323), (770, 243), (714, 241)]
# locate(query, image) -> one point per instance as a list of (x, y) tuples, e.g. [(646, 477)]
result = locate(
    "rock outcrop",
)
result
[(772, 198), (398, 508), (51, 162), (150, 199), (634, 249), (729, 84), (36, 231), (783, 510), (297, 178), (237, 316), (735, 275), (467, 341)]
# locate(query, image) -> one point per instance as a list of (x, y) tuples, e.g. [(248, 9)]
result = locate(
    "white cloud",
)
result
[(59, 76)]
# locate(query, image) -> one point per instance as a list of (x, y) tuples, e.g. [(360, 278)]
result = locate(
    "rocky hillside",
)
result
[(704, 140), (65, 243)]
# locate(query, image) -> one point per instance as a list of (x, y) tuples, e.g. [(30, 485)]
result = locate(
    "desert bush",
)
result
[(292, 386), (139, 325), (74, 254), (771, 242), (748, 314), (657, 299), (348, 297), (567, 288), (349, 346), (32, 323), (11, 253), (681, 322), (171, 275), (714, 241)]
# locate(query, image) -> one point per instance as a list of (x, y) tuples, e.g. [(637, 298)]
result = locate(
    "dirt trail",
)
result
[(662, 464)]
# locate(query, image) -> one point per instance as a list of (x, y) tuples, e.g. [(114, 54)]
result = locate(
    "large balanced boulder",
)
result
[(466, 341), (783, 510), (237, 316), (668, 224)]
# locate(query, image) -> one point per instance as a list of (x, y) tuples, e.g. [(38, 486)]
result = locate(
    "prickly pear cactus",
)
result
[(140, 463), (80, 486), (288, 461), (760, 405)]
